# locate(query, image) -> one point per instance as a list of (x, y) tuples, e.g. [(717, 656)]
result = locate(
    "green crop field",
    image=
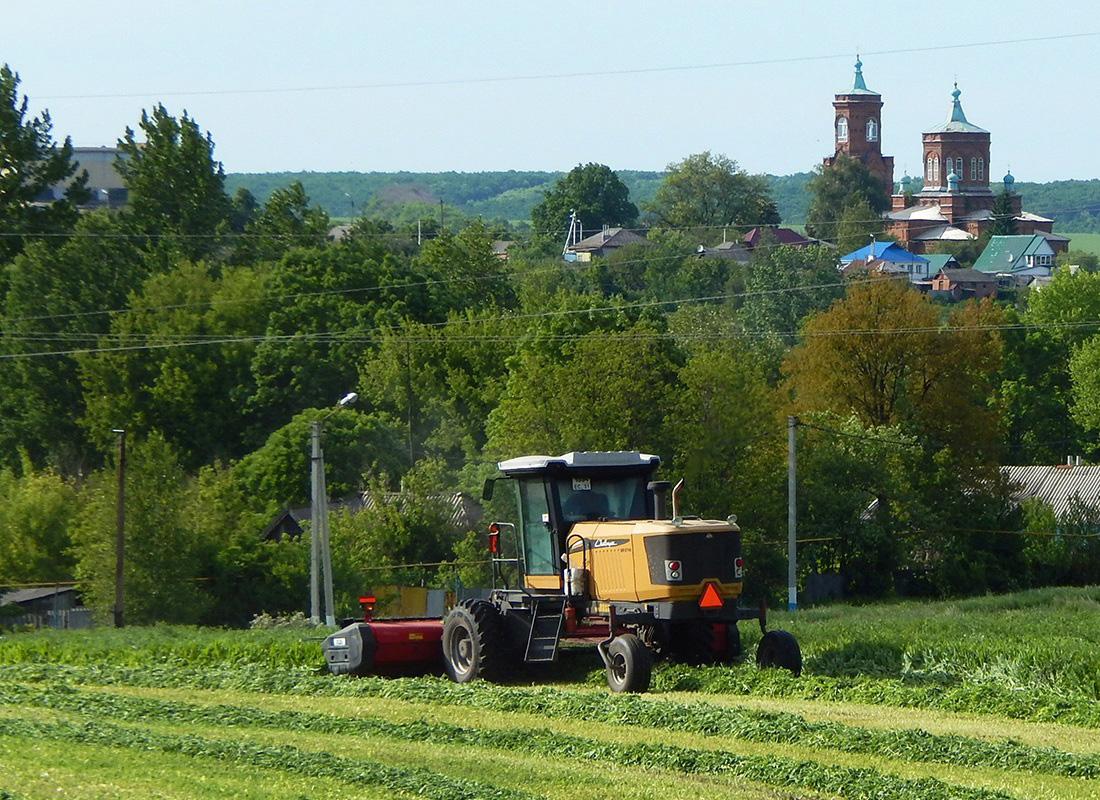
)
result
[(986, 698), (1088, 242)]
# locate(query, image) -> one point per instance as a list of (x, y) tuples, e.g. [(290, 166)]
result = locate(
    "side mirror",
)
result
[(487, 489)]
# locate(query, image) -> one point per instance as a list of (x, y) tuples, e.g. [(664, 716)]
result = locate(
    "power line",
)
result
[(564, 75)]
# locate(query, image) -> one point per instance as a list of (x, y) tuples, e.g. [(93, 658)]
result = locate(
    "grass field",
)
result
[(987, 698), (1089, 242)]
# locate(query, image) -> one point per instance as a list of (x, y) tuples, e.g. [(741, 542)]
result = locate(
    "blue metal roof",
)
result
[(887, 251)]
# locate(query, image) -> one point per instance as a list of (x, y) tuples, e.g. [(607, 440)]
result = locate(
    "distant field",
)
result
[(1089, 242), (983, 699)]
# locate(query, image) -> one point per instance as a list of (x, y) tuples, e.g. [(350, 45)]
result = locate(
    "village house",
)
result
[(964, 284)]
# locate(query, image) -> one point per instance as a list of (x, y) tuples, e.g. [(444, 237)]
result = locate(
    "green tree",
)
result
[(855, 497), (33, 168), (356, 445), (59, 302), (285, 221), (1084, 373), (442, 382), (835, 189), (462, 272), (603, 391), (186, 368), (782, 286), (881, 354), (1089, 262), (597, 195), (710, 191), (163, 557), (1004, 215), (856, 227), (176, 188), (39, 508), (334, 300)]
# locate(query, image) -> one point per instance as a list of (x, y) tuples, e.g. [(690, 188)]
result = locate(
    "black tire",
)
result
[(630, 665), (473, 641), (691, 641), (779, 649)]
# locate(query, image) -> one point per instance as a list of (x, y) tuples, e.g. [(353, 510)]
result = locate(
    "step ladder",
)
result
[(547, 614)]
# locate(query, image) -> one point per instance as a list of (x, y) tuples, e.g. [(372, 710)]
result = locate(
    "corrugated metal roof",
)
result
[(1056, 486), (27, 595)]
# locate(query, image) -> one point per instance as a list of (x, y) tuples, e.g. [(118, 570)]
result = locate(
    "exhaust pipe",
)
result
[(660, 498)]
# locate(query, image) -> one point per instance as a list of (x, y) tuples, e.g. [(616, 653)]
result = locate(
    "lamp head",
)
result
[(348, 399)]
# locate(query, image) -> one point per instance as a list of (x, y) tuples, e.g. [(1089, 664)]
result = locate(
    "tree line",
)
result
[(214, 328)]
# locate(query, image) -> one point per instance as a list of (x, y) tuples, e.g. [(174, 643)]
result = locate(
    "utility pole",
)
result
[(792, 518), (120, 526), (320, 560), (318, 507)]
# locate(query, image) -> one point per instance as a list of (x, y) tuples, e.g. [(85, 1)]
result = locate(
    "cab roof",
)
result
[(579, 460)]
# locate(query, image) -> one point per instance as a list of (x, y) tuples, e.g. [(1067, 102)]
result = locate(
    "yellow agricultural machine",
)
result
[(600, 554)]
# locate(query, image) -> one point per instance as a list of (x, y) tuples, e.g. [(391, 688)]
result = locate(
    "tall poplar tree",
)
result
[(40, 187)]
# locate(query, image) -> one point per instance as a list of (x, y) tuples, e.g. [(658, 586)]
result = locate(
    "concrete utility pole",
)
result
[(320, 561), (317, 507), (792, 518), (120, 525)]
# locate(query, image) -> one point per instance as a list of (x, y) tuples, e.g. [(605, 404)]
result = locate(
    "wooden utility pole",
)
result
[(792, 519), (120, 526)]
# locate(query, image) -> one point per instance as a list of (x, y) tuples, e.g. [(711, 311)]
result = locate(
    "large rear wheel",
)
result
[(473, 641), (629, 664), (779, 649)]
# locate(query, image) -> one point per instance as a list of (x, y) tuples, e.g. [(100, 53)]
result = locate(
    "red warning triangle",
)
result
[(710, 598)]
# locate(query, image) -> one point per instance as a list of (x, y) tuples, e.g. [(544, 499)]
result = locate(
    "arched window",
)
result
[(936, 170), (981, 169), (842, 129), (959, 167), (973, 169), (928, 171), (872, 130)]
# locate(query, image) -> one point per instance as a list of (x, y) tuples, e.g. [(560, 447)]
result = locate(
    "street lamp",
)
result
[(320, 560)]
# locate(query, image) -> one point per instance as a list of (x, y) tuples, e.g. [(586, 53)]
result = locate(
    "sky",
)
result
[(486, 86)]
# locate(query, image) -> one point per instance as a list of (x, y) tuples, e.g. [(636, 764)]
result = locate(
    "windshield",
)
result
[(584, 498)]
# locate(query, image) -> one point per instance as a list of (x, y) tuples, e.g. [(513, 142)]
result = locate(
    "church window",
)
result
[(872, 130), (959, 166), (928, 171), (936, 170), (981, 169), (973, 169), (842, 129)]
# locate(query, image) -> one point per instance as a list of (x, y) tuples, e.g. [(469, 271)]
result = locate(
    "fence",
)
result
[(66, 619)]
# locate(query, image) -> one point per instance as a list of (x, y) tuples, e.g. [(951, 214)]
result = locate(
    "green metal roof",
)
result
[(860, 85), (1004, 252), (957, 122), (938, 261)]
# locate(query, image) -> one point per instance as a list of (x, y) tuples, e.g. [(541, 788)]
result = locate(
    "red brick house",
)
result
[(964, 284)]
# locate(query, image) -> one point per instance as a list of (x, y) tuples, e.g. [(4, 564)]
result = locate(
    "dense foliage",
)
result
[(214, 330)]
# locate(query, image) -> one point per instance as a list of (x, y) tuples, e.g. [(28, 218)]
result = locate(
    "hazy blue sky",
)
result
[(429, 86)]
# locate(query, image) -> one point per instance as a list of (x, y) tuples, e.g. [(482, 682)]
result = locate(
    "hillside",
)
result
[(510, 195)]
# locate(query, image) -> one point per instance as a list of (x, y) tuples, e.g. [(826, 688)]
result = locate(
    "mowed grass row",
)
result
[(559, 733), (696, 718), (94, 718), (1037, 650)]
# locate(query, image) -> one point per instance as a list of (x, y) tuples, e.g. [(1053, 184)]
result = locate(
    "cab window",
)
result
[(538, 544)]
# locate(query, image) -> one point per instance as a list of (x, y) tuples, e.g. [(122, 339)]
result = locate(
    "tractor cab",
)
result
[(554, 494)]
